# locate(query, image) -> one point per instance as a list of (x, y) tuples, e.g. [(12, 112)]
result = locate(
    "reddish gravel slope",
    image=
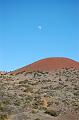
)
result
[(48, 64)]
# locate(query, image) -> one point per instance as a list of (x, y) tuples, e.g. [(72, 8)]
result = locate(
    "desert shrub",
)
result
[(0, 76), (6, 102), (52, 112), (37, 119), (34, 111), (37, 102), (35, 105), (23, 82), (36, 74), (75, 105), (1, 106), (17, 103), (3, 117), (60, 79), (28, 89), (28, 99), (76, 93)]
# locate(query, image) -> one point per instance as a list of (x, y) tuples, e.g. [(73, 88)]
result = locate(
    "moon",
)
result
[(39, 27)]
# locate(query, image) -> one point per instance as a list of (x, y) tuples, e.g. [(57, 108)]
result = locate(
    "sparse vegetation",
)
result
[(39, 93)]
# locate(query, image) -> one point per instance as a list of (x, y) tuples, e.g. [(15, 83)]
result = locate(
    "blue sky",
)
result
[(34, 29)]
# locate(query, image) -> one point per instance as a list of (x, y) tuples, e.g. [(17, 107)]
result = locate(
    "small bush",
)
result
[(17, 103), (52, 112), (23, 82), (1, 106), (37, 119), (34, 111), (3, 117)]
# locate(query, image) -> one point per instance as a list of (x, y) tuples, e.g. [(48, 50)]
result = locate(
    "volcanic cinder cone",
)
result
[(48, 64)]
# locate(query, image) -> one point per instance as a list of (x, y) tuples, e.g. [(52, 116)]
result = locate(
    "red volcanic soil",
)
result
[(48, 64)]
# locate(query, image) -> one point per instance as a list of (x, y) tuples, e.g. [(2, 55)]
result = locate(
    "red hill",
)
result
[(48, 64)]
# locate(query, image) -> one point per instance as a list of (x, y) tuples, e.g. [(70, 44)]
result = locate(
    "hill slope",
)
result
[(48, 64), (40, 95)]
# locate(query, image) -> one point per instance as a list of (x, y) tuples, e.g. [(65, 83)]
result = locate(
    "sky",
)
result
[(31, 30)]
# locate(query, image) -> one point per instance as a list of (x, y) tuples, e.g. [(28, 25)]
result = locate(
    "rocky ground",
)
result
[(40, 95)]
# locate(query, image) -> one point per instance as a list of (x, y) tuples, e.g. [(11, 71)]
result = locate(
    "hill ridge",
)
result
[(48, 64)]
